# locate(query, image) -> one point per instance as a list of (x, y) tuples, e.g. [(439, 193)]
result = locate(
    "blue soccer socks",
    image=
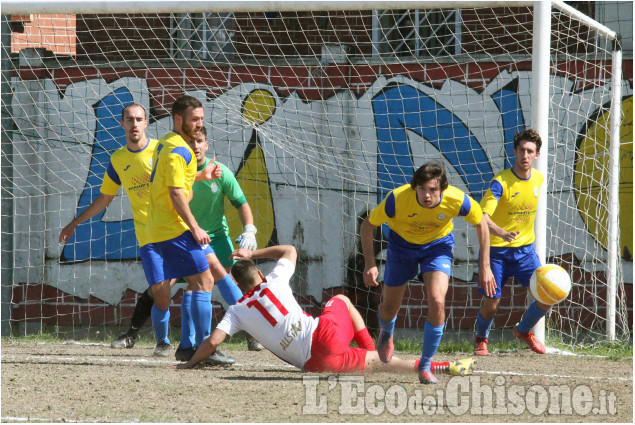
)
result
[(483, 326), (160, 320), (187, 325), (202, 314), (431, 339), (230, 292), (531, 317)]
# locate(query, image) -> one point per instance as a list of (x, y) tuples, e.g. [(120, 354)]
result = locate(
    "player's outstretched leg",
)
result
[(141, 314), (454, 368)]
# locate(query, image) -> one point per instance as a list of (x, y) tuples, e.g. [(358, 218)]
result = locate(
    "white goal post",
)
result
[(317, 137)]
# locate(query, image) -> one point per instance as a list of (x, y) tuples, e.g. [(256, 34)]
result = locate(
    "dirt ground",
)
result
[(69, 382)]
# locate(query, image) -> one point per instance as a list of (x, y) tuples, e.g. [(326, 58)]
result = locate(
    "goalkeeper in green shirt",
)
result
[(208, 207)]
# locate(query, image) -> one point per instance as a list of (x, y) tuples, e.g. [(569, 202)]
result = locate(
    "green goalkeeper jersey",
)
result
[(208, 203)]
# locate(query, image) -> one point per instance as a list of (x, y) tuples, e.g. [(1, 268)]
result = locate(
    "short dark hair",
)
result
[(528, 135), (429, 171), (181, 104), (244, 272), (130, 105), (204, 132)]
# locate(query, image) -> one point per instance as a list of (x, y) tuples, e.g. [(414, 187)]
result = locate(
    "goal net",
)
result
[(319, 114)]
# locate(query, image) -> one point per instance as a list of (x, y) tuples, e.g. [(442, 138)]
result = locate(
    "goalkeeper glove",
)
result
[(247, 239)]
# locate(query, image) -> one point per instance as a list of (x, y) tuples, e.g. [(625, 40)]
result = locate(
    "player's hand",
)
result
[(200, 236), (210, 172), (180, 366), (487, 281), (66, 233), (247, 239), (510, 236), (241, 254), (370, 276)]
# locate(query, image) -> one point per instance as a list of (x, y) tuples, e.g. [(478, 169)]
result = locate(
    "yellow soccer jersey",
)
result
[(131, 169), (419, 225), (174, 166), (511, 203)]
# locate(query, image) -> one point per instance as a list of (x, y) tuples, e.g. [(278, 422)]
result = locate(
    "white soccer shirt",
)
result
[(270, 313)]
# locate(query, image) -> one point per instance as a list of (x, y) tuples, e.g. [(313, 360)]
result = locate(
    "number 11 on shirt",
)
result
[(263, 310)]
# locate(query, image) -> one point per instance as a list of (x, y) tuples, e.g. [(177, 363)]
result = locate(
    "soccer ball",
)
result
[(550, 284)]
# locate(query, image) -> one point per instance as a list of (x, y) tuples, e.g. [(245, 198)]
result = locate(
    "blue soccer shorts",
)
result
[(172, 259), (517, 262), (404, 258)]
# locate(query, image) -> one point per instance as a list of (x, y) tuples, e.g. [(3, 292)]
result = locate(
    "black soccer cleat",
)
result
[(123, 341), (219, 359), (184, 354)]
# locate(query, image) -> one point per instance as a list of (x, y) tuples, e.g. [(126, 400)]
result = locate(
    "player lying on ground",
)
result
[(270, 313), (420, 244), (208, 207), (509, 207)]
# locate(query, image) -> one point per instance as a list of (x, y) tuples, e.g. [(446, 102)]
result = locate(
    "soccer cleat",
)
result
[(426, 377), (162, 349), (461, 367), (480, 346), (123, 341), (385, 347), (531, 340), (219, 359), (184, 354), (254, 345)]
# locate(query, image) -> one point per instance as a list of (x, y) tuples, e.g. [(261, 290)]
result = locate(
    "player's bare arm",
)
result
[(273, 252), (486, 277), (210, 172), (367, 233), (181, 205), (97, 206), (207, 347), (496, 230)]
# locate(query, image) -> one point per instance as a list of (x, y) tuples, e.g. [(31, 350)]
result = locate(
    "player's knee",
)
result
[(162, 303), (345, 299), (436, 305)]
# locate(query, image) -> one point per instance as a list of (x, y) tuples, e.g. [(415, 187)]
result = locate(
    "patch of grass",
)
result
[(452, 343), (612, 350)]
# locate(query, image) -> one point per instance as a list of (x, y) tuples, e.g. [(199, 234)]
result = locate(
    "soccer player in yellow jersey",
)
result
[(509, 208), (129, 167), (419, 216), (174, 241)]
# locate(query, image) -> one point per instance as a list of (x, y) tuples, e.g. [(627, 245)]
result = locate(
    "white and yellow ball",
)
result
[(550, 284)]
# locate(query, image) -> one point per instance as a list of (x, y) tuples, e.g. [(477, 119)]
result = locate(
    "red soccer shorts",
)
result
[(330, 348)]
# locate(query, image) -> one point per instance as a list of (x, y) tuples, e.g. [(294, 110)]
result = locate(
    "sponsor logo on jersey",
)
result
[(514, 195)]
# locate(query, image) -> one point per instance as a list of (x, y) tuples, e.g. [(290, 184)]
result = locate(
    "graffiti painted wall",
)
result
[(312, 160)]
